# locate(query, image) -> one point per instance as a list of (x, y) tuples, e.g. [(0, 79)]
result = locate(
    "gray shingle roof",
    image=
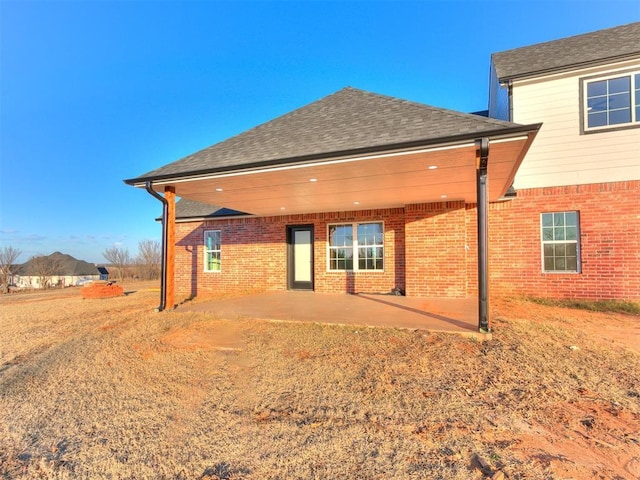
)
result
[(590, 48), (186, 208), (68, 266), (346, 121)]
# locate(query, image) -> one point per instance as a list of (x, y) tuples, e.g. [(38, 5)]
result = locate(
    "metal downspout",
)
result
[(163, 267), (483, 236), (510, 99)]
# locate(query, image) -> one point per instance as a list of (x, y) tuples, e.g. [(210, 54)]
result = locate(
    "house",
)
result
[(360, 192), (56, 270), (573, 230)]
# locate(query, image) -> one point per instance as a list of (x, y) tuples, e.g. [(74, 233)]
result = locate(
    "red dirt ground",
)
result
[(576, 430), (604, 425), (571, 442), (578, 437)]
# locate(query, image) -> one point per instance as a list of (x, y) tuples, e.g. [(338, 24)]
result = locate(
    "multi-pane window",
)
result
[(357, 246), (560, 242), (636, 94), (370, 246), (212, 247), (612, 101), (341, 247)]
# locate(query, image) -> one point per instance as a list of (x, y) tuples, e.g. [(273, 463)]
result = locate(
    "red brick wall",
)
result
[(436, 250), (431, 249), (254, 254), (610, 242), (471, 221), (374, 281)]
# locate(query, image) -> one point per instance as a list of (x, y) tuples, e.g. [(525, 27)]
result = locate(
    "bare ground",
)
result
[(110, 389)]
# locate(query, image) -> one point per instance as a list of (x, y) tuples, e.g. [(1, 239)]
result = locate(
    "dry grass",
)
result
[(616, 306), (109, 389)]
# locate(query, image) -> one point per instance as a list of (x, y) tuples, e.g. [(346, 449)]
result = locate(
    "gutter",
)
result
[(163, 268), (510, 99)]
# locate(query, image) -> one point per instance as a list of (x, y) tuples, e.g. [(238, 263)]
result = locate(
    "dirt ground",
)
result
[(586, 436), (110, 389)]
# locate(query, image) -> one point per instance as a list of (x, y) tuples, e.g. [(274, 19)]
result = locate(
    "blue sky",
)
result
[(93, 92)]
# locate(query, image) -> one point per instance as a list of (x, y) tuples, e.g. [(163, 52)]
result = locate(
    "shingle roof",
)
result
[(558, 55), (346, 121), (69, 266), (186, 208)]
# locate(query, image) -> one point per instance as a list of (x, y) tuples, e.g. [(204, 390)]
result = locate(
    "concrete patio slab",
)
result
[(432, 314)]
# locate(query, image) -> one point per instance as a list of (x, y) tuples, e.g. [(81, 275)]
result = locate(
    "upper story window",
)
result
[(611, 101)]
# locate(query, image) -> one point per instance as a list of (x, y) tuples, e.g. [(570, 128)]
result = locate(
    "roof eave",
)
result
[(211, 216), (498, 132), (567, 68), (202, 218)]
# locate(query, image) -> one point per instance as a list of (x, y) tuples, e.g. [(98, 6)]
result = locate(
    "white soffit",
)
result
[(389, 180)]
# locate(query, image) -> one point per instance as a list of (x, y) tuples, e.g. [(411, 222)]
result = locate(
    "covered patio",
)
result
[(354, 157), (367, 310)]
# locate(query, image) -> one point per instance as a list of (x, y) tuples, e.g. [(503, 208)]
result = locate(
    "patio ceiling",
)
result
[(384, 180)]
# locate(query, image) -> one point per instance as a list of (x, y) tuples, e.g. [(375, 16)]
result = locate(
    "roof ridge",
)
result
[(346, 121), (572, 37), (595, 48), (448, 111), (267, 122)]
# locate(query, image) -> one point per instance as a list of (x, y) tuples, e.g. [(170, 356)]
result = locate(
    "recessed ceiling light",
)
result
[(356, 203), (313, 179), (218, 189), (282, 208), (432, 167), (443, 196)]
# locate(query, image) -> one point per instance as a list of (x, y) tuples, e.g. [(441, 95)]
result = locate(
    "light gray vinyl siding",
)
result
[(562, 154)]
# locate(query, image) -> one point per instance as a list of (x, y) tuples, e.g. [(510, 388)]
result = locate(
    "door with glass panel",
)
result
[(300, 257)]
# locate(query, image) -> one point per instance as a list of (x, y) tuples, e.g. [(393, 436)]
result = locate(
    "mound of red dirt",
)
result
[(102, 290)]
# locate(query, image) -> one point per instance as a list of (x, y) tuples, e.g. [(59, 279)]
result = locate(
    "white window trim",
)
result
[(557, 242), (206, 251), (355, 247), (635, 122)]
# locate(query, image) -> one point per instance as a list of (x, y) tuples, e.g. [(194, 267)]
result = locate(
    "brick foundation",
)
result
[(431, 249)]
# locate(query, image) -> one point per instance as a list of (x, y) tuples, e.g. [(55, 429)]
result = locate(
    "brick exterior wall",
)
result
[(254, 255), (609, 236), (436, 253), (431, 249), (372, 281)]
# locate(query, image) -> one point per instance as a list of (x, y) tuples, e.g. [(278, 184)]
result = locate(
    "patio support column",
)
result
[(482, 162), (170, 284)]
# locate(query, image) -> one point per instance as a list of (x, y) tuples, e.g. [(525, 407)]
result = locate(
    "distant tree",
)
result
[(8, 257), (119, 258), (45, 267), (149, 259)]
